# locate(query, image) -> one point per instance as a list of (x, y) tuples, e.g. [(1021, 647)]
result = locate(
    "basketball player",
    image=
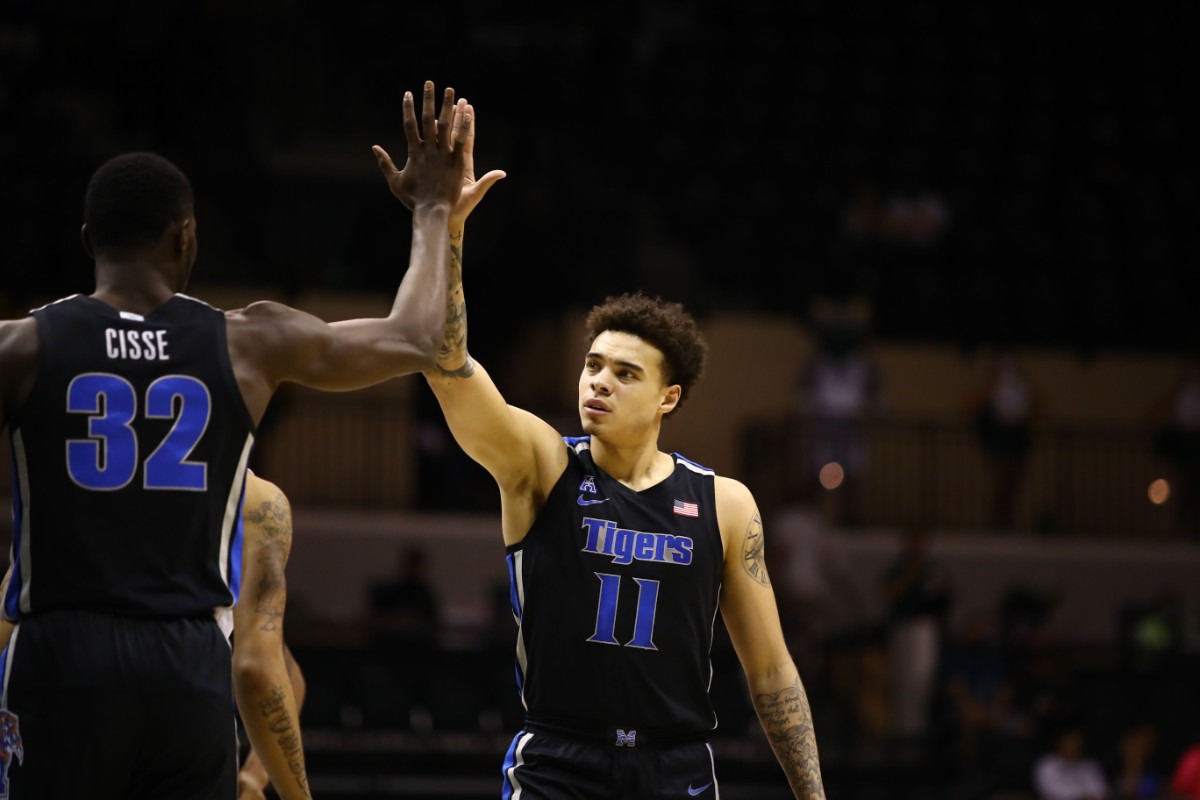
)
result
[(620, 556), (267, 681), (131, 414)]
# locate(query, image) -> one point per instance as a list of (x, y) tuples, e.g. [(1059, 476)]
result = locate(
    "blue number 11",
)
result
[(606, 612)]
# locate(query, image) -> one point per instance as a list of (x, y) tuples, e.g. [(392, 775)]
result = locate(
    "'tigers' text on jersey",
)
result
[(624, 545), (136, 345)]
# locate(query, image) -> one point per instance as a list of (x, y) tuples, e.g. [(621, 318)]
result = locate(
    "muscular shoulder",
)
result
[(737, 512), (734, 498), (18, 364), (263, 497), (261, 317), (18, 341)]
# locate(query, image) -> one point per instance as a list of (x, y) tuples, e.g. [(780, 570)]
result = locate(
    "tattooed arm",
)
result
[(268, 695), (517, 449), (253, 777), (752, 618)]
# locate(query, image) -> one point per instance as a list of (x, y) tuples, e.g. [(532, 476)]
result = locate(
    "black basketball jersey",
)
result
[(129, 462), (615, 593)]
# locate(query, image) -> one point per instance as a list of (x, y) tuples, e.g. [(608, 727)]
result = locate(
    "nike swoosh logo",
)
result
[(694, 792), (583, 501)]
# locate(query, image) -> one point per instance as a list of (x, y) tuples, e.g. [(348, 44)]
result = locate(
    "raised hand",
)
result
[(472, 190), (436, 163)]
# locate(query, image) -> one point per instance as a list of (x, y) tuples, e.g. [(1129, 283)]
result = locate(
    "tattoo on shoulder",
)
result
[(753, 552)]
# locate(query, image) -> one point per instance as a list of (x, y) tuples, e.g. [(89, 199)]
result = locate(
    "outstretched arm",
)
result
[(266, 691), (752, 619), (271, 343), (514, 446)]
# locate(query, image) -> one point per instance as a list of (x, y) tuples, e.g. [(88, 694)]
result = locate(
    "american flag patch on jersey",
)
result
[(687, 509)]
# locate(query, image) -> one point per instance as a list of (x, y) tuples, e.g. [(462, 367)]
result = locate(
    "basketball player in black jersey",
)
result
[(620, 556), (269, 683), (131, 414)]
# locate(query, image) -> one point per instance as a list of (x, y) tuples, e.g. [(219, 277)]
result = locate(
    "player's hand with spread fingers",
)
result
[(473, 189), (436, 161)]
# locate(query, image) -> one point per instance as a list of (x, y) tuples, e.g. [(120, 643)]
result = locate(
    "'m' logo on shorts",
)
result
[(626, 739), (10, 747)]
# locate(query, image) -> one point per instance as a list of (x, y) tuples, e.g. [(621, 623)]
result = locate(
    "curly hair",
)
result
[(665, 325), (132, 198)]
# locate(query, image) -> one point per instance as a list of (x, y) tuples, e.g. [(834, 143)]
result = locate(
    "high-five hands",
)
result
[(435, 168), (472, 190)]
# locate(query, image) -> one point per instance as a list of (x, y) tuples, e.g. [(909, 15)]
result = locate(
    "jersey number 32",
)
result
[(108, 459)]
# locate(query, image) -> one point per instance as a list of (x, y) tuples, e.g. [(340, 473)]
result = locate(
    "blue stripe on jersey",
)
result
[(12, 597), (235, 549), (693, 466), (514, 599)]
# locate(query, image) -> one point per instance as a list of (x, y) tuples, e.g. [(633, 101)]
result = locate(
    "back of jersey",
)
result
[(130, 459)]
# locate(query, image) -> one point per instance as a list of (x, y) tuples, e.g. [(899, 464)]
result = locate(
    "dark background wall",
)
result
[(702, 151)]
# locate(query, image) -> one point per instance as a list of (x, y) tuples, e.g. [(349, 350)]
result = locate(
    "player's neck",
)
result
[(132, 287), (638, 467)]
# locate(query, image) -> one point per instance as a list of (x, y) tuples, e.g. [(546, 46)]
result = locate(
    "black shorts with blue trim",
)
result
[(102, 706), (621, 764)]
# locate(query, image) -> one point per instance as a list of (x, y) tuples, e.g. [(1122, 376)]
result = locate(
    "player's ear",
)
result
[(671, 398), (187, 236), (87, 243)]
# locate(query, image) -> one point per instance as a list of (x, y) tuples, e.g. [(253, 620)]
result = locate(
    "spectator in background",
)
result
[(1004, 412), (1068, 770), (984, 722), (1185, 775), (1177, 441), (839, 390), (917, 595), (1137, 774), (817, 592)]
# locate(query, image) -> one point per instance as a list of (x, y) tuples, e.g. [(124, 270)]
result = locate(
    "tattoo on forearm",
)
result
[(753, 554), (787, 720), (287, 735), (454, 332)]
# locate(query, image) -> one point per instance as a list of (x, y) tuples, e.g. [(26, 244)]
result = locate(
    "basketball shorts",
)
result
[(100, 706), (550, 766)]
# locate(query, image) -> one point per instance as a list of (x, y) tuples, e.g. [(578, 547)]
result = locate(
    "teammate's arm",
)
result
[(253, 777), (267, 700), (751, 616), (6, 627), (18, 364)]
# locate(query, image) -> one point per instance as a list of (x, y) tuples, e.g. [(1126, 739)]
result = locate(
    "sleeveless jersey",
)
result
[(615, 594), (129, 462)]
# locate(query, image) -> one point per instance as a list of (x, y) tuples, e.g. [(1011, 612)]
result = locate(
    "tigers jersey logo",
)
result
[(10, 747)]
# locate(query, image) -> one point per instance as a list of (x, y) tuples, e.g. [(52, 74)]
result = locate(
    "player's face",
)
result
[(621, 387)]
